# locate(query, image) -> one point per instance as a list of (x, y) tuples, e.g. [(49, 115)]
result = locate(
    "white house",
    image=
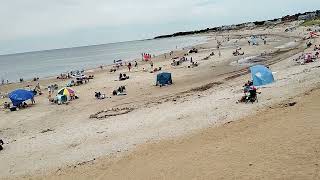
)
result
[(307, 16)]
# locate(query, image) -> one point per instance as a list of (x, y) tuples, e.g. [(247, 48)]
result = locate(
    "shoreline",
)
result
[(200, 97), (96, 67)]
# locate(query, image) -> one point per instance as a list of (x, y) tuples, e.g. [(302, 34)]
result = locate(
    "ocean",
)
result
[(53, 62)]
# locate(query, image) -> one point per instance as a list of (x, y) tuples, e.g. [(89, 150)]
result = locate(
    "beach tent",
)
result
[(61, 99), (19, 96), (66, 91), (146, 57), (164, 79), (261, 75), (254, 40)]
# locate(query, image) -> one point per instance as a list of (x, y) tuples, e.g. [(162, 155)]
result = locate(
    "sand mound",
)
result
[(111, 112), (205, 87)]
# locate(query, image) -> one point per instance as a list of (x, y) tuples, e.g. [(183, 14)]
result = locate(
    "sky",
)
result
[(32, 25)]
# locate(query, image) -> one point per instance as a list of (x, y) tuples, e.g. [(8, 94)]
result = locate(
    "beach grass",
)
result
[(311, 22)]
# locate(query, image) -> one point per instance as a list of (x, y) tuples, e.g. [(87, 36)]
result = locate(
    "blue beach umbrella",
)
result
[(19, 96), (261, 75)]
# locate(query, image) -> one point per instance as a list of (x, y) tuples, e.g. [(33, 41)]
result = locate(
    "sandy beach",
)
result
[(193, 129)]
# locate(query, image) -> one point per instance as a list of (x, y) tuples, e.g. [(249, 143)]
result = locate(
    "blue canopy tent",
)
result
[(261, 75), (164, 79), (19, 96), (254, 40)]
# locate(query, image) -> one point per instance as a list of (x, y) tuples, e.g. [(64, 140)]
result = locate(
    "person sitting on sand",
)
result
[(72, 96), (97, 94), (156, 70), (123, 77), (23, 105), (1, 144), (247, 86), (252, 92), (6, 105), (309, 44), (120, 91), (33, 101), (114, 92), (120, 77)]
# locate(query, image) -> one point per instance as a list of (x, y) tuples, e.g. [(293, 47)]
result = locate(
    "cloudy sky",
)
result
[(29, 25)]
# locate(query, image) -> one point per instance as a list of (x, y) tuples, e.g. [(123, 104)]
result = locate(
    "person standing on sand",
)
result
[(129, 66), (135, 64), (33, 101), (49, 90), (151, 64)]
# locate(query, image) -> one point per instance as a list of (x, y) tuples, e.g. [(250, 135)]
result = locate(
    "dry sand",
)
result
[(200, 98), (282, 142)]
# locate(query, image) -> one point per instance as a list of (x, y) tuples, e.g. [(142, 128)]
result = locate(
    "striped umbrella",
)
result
[(66, 91)]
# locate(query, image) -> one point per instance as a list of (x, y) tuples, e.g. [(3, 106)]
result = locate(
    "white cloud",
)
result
[(22, 19)]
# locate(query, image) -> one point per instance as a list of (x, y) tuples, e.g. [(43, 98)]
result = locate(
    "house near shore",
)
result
[(233, 27), (226, 28), (272, 22), (250, 25), (240, 26), (308, 16)]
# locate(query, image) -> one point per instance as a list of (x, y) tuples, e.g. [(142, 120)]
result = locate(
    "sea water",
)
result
[(53, 62)]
